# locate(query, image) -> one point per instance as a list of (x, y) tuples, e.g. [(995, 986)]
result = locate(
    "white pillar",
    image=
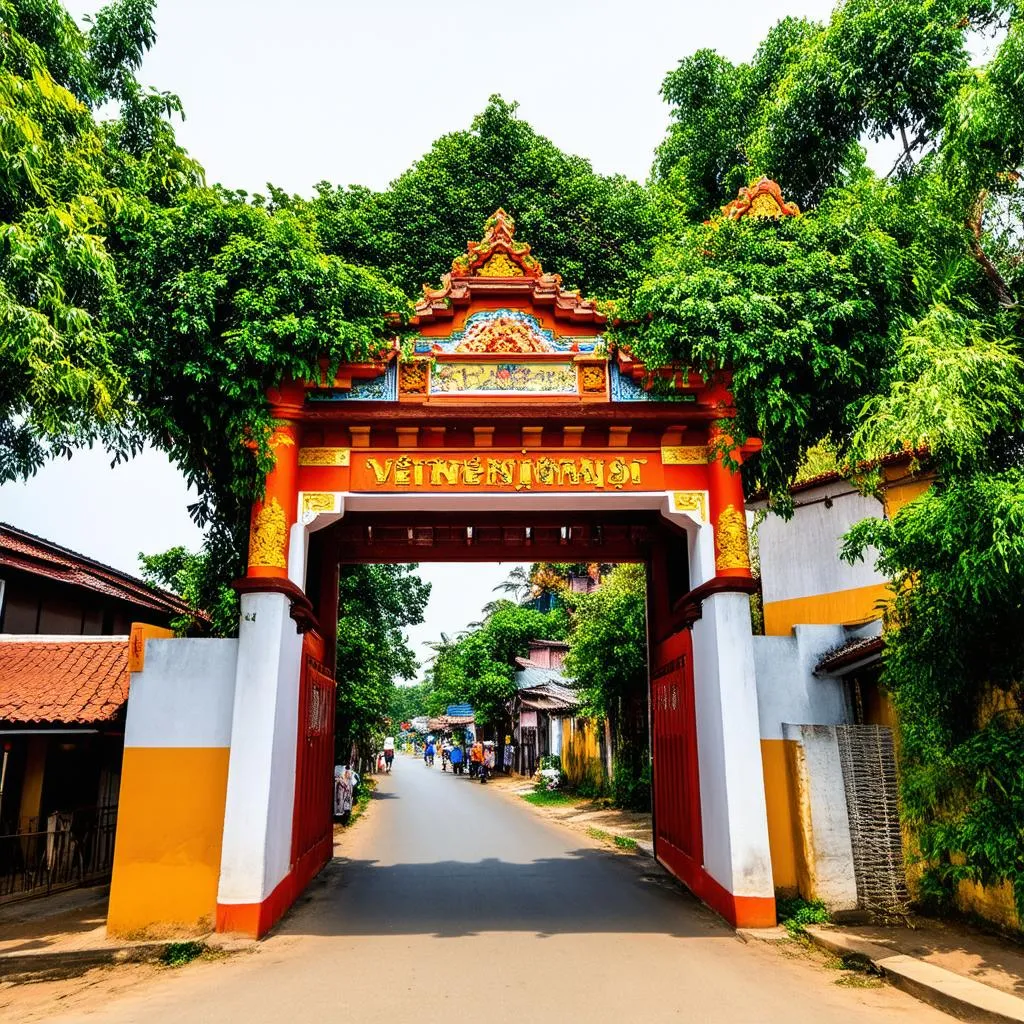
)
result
[(256, 856), (734, 817)]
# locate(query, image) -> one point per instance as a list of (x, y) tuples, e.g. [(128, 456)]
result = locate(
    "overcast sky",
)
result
[(354, 92)]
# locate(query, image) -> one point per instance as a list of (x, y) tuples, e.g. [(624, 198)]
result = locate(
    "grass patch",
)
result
[(795, 913), (550, 798), (625, 843), (177, 954), (599, 833), (367, 784)]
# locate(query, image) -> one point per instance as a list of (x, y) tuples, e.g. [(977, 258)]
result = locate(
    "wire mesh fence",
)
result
[(868, 761)]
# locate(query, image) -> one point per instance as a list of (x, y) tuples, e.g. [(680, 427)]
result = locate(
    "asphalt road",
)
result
[(453, 901)]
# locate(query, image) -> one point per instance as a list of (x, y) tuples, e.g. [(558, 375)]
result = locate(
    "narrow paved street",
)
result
[(455, 901)]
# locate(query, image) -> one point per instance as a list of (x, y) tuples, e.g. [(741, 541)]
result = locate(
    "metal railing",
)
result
[(61, 852)]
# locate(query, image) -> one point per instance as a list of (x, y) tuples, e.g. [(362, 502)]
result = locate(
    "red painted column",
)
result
[(728, 510), (273, 517)]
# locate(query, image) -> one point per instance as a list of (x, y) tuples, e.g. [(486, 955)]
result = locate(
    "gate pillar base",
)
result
[(256, 885), (737, 860)]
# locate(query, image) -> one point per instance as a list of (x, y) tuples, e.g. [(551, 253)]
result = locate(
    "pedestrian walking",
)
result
[(476, 759), (487, 766)]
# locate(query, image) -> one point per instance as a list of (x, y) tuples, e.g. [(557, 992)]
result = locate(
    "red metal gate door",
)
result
[(678, 843), (312, 828)]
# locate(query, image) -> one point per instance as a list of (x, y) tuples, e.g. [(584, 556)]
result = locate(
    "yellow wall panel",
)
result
[(170, 825), (843, 607), (778, 792)]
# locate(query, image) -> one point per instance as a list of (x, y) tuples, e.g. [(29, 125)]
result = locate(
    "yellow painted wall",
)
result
[(581, 753), (169, 834), (899, 489), (782, 825), (843, 607), (32, 784), (992, 902)]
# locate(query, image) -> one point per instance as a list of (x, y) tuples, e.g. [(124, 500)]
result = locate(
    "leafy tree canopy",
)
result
[(592, 229), (65, 177), (478, 667), (376, 604)]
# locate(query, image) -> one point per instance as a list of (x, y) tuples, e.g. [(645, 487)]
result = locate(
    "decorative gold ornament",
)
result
[(499, 265), (731, 548), (412, 378), (324, 456), (761, 199), (684, 455), (267, 537), (691, 501), (315, 502), (593, 379)]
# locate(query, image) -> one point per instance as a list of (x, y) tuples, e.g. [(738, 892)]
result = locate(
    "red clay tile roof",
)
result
[(70, 681), (22, 550)]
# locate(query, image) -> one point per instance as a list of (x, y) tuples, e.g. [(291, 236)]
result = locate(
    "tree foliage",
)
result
[(212, 603), (65, 179), (592, 229), (478, 667), (375, 605), (955, 666), (608, 661)]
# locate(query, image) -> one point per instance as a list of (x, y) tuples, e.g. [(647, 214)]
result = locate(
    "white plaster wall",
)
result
[(823, 799), (261, 772), (788, 690), (734, 818), (556, 736), (800, 556), (184, 697)]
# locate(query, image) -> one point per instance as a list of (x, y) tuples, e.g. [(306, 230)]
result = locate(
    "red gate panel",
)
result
[(312, 827), (677, 827)]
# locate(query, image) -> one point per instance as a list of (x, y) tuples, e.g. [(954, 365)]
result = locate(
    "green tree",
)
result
[(408, 702), (478, 668), (213, 605), (594, 230), (375, 604), (65, 178), (608, 661)]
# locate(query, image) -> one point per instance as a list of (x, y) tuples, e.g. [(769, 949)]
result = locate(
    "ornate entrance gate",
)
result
[(507, 431)]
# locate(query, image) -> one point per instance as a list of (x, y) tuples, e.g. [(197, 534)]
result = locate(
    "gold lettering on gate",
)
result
[(518, 473)]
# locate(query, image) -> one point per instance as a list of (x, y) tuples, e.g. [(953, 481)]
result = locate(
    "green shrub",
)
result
[(795, 913)]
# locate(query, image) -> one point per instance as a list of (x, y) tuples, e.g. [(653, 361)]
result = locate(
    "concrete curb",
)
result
[(952, 993), (39, 966)]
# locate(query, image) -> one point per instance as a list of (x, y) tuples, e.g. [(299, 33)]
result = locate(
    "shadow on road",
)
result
[(586, 891)]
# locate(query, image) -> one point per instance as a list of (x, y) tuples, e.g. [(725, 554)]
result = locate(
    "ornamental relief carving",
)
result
[(412, 378), (732, 550), (684, 455), (324, 456), (315, 502), (691, 501), (268, 537)]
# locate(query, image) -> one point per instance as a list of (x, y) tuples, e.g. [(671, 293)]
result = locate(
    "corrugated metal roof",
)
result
[(527, 677)]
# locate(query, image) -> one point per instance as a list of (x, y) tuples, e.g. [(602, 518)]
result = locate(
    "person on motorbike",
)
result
[(428, 754)]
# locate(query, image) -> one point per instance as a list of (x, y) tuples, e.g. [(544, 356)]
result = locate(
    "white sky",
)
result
[(354, 92)]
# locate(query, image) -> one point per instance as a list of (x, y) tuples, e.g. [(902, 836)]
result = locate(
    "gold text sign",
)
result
[(425, 470)]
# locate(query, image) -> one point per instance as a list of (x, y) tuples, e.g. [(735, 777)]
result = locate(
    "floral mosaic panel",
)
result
[(511, 378)]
